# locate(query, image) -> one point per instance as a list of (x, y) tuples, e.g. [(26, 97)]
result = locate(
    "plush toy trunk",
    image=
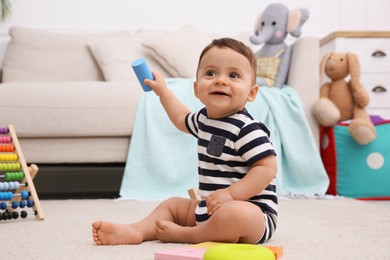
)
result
[(357, 171)]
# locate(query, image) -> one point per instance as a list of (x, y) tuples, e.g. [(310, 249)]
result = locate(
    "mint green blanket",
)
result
[(162, 161)]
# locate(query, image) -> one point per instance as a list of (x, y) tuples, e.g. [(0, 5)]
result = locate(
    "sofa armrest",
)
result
[(304, 76)]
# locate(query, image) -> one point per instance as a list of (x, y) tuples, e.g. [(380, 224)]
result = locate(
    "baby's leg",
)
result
[(235, 221), (177, 210)]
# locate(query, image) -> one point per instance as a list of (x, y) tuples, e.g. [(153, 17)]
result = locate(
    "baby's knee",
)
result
[(181, 209), (239, 210), (174, 200), (174, 203)]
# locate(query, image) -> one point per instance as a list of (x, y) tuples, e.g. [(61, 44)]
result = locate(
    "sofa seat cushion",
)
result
[(75, 150), (79, 109), (41, 55)]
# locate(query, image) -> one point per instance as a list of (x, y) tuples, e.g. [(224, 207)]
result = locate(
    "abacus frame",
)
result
[(29, 174)]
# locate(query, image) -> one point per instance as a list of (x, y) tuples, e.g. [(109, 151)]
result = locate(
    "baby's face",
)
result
[(224, 82)]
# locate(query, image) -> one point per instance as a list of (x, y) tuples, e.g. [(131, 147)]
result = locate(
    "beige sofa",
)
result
[(72, 96)]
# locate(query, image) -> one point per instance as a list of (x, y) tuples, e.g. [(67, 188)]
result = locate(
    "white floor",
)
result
[(384, 203)]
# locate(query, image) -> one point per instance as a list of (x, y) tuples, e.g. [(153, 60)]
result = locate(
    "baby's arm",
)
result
[(259, 176), (175, 110)]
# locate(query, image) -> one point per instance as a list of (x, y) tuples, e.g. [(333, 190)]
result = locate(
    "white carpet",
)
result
[(308, 229)]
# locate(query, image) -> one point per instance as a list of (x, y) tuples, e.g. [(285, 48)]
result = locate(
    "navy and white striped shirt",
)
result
[(227, 147)]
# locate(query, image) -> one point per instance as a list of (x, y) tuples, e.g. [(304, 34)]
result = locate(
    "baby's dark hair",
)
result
[(236, 46)]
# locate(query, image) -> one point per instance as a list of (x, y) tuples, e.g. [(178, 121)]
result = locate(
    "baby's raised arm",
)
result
[(174, 108)]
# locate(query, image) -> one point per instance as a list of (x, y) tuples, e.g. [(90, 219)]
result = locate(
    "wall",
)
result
[(208, 15)]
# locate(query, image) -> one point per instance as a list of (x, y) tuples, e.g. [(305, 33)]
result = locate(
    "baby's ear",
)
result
[(196, 89), (253, 93)]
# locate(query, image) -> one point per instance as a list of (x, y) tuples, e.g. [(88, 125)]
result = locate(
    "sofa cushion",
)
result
[(114, 56), (187, 43), (75, 109), (40, 55), (67, 150)]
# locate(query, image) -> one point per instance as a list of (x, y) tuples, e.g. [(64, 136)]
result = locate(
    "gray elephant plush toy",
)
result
[(271, 28)]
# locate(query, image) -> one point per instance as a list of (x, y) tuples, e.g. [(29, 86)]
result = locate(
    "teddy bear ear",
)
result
[(323, 63)]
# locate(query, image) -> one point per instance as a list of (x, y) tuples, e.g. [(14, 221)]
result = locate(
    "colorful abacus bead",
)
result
[(9, 166), (5, 215), (14, 204), (22, 204), (3, 205), (7, 195), (24, 194), (9, 215), (15, 215), (11, 185), (5, 139), (4, 130), (13, 176), (23, 214), (7, 148), (8, 157), (30, 203)]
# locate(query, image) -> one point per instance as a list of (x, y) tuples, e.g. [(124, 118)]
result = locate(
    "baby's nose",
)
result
[(221, 81)]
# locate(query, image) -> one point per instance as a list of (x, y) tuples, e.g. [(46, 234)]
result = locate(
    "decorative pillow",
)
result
[(39, 55), (114, 57), (178, 51), (354, 170)]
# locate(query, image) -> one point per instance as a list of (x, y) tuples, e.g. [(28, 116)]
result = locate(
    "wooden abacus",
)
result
[(17, 189)]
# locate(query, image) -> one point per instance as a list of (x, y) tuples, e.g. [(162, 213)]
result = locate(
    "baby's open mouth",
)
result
[(219, 93)]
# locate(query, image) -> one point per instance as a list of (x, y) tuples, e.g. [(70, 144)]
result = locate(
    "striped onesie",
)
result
[(227, 147)]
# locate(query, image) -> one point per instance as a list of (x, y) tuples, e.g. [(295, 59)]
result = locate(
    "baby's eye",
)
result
[(210, 73), (234, 75)]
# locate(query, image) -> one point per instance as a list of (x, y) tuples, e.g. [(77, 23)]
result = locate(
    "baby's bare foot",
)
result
[(167, 231), (107, 233)]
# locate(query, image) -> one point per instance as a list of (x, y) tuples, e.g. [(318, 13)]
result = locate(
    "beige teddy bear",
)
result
[(342, 100)]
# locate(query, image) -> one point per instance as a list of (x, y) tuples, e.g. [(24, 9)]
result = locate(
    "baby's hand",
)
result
[(158, 84), (215, 200)]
